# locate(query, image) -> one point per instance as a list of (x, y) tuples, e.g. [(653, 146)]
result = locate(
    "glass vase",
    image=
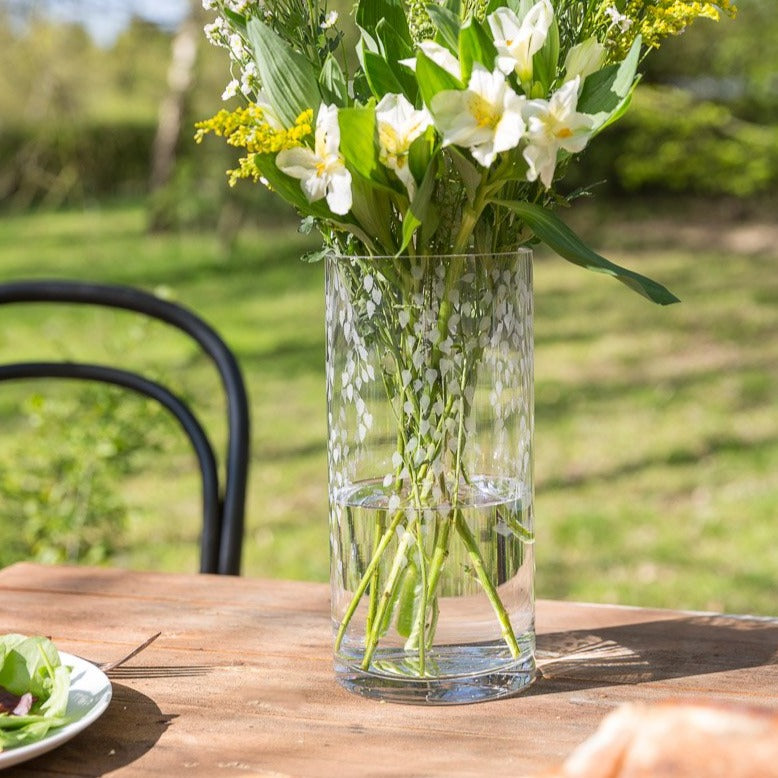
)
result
[(430, 418)]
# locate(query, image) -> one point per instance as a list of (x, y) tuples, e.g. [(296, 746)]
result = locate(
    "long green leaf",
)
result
[(358, 144), (447, 24), (370, 12), (604, 93), (287, 77), (475, 45), (419, 208), (380, 75), (333, 83), (395, 50), (432, 78), (561, 239)]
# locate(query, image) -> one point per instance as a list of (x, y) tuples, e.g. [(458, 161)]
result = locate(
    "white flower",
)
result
[(399, 124), (584, 59), (237, 47), (217, 32), (618, 19), (209, 5), (552, 125), (440, 55), (485, 118), (231, 89), (518, 40), (321, 170), (329, 20), (249, 79)]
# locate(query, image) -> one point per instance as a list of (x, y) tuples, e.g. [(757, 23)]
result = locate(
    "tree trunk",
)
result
[(173, 106)]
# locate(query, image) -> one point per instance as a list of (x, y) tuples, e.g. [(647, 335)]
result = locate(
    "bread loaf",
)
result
[(679, 739)]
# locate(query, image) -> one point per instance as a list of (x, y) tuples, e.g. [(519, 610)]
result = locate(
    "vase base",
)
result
[(450, 690)]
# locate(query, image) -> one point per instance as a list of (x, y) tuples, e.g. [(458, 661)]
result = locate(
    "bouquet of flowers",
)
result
[(450, 130), (442, 134)]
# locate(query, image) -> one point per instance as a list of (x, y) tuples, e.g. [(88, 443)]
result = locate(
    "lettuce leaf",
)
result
[(32, 665)]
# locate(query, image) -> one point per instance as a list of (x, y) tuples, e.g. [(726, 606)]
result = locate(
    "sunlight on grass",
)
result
[(656, 431)]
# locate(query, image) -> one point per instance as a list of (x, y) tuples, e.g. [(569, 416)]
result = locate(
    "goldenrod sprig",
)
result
[(249, 128)]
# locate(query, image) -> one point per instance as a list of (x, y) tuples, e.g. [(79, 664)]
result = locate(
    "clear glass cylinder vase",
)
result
[(430, 412)]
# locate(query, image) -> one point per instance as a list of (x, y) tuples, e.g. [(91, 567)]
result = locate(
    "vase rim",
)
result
[(525, 251)]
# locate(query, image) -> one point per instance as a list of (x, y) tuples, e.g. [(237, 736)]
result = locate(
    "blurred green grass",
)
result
[(656, 428)]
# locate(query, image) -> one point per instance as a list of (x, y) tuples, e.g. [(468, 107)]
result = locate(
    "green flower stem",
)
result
[(486, 583), (421, 613), (367, 577), (439, 556), (371, 643), (380, 526)]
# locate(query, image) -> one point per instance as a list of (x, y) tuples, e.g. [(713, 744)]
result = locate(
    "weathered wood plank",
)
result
[(240, 682)]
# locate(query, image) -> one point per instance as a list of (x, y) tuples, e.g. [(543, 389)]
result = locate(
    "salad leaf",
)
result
[(31, 666)]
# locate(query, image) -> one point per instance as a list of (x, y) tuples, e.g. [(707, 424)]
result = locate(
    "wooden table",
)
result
[(240, 682)]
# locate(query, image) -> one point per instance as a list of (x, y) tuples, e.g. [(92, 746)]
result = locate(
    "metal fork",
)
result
[(108, 666)]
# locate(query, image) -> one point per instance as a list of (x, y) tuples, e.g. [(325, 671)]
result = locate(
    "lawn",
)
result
[(656, 453)]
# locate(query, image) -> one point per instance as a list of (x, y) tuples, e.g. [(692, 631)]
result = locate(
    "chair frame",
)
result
[(223, 510)]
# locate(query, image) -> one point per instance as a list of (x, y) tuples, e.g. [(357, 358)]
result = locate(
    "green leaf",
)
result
[(358, 144), (419, 208), (432, 78), (287, 77), (370, 12), (409, 592), (475, 45), (420, 153), (597, 96), (468, 172), (447, 24), (332, 82), (625, 76), (607, 91), (32, 665), (561, 239), (394, 49), (380, 75)]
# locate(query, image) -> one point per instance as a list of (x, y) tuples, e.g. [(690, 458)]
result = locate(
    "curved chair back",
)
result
[(223, 508)]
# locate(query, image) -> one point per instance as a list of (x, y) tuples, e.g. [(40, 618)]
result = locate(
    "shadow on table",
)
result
[(130, 727), (654, 651)]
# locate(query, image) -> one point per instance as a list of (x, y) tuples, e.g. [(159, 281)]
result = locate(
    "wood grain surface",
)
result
[(240, 682)]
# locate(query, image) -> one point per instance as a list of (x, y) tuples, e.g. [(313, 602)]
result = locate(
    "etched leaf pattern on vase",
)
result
[(430, 394)]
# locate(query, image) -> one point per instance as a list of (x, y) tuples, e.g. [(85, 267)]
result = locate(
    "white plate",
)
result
[(90, 693)]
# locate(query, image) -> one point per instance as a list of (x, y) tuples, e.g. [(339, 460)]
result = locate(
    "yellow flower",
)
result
[(655, 20), (249, 128)]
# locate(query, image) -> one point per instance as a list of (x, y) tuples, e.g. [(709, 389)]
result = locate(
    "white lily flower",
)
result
[(440, 55), (518, 40), (584, 59), (552, 125), (486, 117), (399, 124), (321, 170)]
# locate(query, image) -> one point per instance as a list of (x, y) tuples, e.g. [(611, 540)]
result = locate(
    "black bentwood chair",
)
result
[(223, 509)]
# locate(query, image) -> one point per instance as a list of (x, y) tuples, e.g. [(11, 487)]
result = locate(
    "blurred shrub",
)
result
[(72, 163), (669, 142), (198, 194), (76, 164), (60, 477)]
